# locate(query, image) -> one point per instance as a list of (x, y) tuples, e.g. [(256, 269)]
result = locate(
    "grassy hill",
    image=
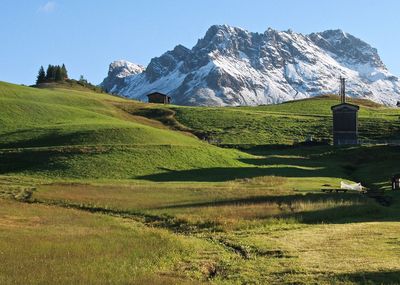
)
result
[(99, 189), (63, 133), (286, 123), (69, 133), (37, 117)]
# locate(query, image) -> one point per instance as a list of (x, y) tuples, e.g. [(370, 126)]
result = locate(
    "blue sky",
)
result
[(88, 35)]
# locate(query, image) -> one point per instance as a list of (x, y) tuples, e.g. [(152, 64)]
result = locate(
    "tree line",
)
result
[(54, 73)]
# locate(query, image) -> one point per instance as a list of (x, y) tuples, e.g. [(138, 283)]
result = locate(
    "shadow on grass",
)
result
[(375, 277), (340, 208), (218, 174), (41, 160), (369, 165), (365, 212), (42, 138), (285, 149), (64, 137), (273, 160), (317, 161), (283, 199)]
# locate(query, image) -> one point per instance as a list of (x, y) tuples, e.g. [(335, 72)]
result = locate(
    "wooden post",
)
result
[(342, 90)]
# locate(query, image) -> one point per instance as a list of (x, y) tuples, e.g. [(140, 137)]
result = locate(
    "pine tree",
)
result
[(64, 72), (41, 78), (50, 73), (58, 74)]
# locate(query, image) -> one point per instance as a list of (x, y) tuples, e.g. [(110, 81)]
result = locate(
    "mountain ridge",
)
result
[(232, 66)]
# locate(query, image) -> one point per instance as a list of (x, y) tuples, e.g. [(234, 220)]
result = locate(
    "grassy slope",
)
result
[(279, 231), (35, 117), (287, 122), (68, 133), (48, 245), (256, 229)]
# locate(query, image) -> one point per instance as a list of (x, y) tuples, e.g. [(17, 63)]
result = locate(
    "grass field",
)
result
[(97, 189), (67, 133), (47, 245), (286, 123)]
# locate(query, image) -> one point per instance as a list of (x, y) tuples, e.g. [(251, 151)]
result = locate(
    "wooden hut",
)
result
[(157, 97), (345, 120)]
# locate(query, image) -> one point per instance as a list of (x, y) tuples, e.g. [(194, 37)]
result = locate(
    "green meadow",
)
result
[(287, 123), (97, 189)]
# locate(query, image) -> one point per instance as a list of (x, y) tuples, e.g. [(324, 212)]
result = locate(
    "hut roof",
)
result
[(157, 93), (345, 106)]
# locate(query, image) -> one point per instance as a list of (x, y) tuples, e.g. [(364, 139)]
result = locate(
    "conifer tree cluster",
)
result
[(54, 73)]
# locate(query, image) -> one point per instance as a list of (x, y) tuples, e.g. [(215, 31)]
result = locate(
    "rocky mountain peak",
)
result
[(117, 72), (123, 68), (346, 47), (232, 66), (223, 38)]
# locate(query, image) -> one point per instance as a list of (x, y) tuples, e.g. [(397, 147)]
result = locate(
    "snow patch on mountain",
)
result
[(117, 72), (231, 66)]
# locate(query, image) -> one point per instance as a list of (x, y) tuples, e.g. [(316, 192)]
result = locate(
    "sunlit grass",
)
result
[(166, 208), (227, 205), (286, 123), (47, 245)]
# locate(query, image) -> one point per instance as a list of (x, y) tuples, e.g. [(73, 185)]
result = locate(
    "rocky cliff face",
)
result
[(231, 66), (117, 72)]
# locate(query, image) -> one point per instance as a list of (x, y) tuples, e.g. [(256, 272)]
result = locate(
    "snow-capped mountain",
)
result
[(118, 71), (231, 66)]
